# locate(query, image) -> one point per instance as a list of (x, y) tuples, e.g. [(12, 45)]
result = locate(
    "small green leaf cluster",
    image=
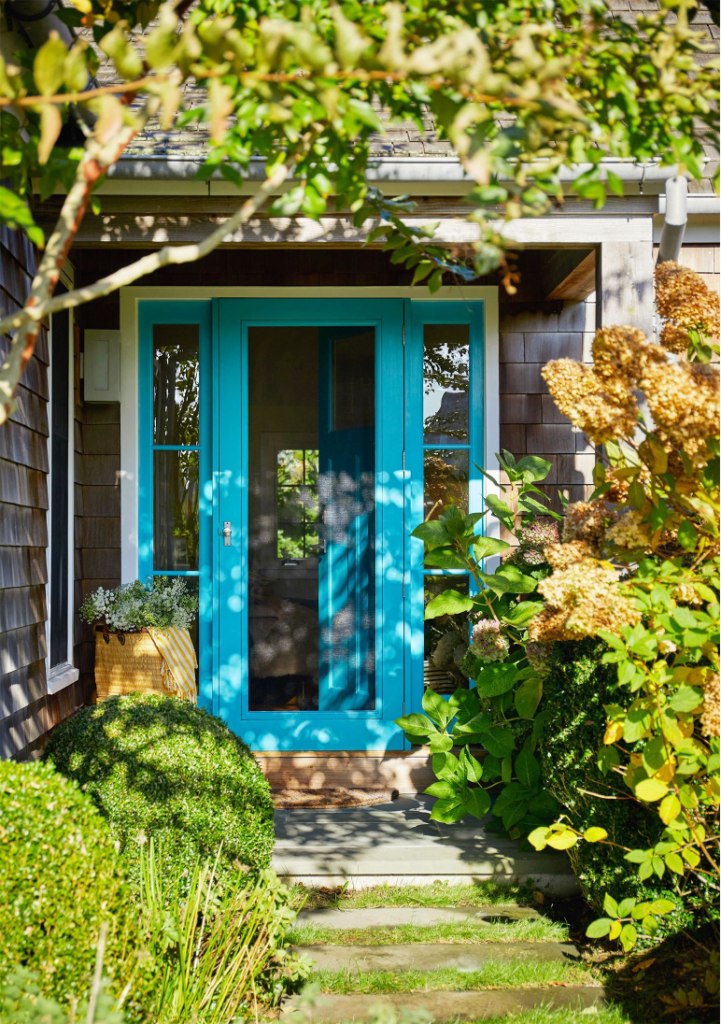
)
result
[(625, 917), (499, 711), (160, 767)]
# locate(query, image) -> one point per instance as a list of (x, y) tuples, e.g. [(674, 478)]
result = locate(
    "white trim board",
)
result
[(129, 299)]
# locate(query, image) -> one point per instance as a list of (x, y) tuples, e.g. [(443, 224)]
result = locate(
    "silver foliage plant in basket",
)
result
[(161, 603)]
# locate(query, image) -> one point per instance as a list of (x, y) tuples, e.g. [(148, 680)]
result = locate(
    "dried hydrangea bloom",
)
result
[(488, 642), (710, 717), (562, 556), (629, 531), (587, 401), (684, 593), (683, 399), (585, 520), (675, 339), (580, 601), (619, 354), (683, 298), (618, 491), (539, 657)]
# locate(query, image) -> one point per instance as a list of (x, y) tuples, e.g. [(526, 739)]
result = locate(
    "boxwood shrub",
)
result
[(162, 767), (60, 878)]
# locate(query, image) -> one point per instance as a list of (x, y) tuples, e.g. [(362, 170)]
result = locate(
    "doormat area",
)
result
[(323, 798)]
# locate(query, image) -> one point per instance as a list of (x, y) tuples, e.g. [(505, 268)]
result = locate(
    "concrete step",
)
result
[(448, 1006), (398, 844), (429, 956), (421, 917)]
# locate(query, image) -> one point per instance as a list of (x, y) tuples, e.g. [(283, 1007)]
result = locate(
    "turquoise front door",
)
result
[(288, 447)]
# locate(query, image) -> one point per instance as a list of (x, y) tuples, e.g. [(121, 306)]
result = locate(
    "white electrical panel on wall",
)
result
[(101, 366)]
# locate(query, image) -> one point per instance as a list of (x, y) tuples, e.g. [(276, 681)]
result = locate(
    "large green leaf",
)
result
[(433, 534), (533, 468), (528, 770), (498, 740), (528, 696), (436, 708), (448, 811), (445, 558), (496, 679), (476, 802), (485, 547), (416, 725), (446, 766), (448, 602), (443, 790), (522, 613)]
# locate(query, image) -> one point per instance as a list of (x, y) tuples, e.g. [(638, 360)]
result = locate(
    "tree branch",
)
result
[(170, 255), (100, 153)]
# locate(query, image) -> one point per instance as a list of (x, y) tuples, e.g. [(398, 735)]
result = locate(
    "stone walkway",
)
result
[(397, 843), (344, 965)]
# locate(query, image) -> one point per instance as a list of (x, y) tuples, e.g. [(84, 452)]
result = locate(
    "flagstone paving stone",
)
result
[(421, 917), (451, 1006), (429, 956)]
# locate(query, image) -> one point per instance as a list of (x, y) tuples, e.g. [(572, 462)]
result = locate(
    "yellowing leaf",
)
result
[(712, 789), (595, 834), (562, 840), (666, 772), (669, 809), (50, 125), (615, 930), (650, 790), (49, 64), (221, 107), (613, 733), (110, 119), (75, 70)]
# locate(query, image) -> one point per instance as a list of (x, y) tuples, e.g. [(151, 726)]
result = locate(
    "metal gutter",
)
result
[(157, 167), (696, 204)]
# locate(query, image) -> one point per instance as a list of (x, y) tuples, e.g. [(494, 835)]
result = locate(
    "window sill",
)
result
[(62, 676)]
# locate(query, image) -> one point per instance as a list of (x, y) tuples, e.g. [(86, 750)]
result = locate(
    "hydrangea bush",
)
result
[(162, 603), (499, 712), (637, 566)]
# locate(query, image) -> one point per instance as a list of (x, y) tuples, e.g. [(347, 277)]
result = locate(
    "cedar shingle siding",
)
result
[(27, 711)]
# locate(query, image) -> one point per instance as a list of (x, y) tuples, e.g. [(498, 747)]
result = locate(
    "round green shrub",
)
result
[(163, 768), (60, 878)]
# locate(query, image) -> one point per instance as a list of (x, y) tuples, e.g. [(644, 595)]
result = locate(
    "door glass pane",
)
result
[(311, 521), (445, 481), (176, 380), (445, 639), (445, 383), (175, 510), (353, 381)]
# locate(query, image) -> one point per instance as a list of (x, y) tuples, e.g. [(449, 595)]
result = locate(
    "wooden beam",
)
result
[(579, 281)]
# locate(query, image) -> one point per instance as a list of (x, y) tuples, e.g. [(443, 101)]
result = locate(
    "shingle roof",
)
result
[(399, 139)]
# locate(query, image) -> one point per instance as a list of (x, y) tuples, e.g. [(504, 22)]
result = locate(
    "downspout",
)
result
[(675, 219)]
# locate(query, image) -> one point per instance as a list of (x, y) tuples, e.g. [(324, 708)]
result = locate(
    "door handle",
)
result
[(227, 532)]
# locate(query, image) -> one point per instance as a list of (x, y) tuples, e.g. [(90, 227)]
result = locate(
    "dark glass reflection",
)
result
[(445, 481), (445, 639), (311, 606), (445, 383), (176, 379), (175, 510)]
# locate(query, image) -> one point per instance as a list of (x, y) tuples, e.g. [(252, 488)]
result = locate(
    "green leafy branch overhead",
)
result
[(520, 89)]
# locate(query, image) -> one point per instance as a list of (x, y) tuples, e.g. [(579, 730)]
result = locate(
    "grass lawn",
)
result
[(438, 894), (498, 974), (540, 930)]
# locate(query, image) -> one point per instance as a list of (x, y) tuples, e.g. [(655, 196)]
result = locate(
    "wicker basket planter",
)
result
[(127, 663)]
